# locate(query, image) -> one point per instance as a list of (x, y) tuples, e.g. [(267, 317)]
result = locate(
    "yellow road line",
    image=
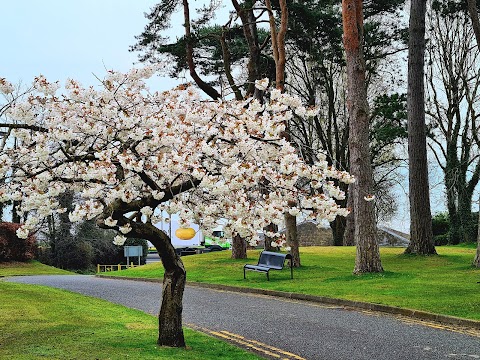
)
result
[(250, 343), (245, 343), (434, 325), (267, 346)]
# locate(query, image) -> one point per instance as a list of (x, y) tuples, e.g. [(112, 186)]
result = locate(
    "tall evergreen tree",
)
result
[(421, 237), (368, 255)]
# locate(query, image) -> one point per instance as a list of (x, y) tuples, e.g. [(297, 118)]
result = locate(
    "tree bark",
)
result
[(338, 227), (249, 25), (421, 237), (278, 41), (473, 12), (267, 245), (170, 331), (206, 88), (292, 238), (239, 248), (368, 255), (476, 261), (466, 216), (349, 235)]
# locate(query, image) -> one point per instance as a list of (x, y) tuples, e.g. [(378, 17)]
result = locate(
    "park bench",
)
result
[(269, 260)]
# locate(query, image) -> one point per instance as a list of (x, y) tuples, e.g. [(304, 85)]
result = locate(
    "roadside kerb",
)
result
[(415, 314)]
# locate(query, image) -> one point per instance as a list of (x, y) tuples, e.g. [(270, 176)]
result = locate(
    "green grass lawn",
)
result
[(444, 284), (37, 322), (29, 268)]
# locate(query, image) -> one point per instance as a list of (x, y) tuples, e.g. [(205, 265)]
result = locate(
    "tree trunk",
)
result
[(473, 12), (368, 255), (206, 88), (421, 237), (15, 216), (338, 227), (249, 25), (267, 245), (292, 238), (239, 248), (349, 235), (454, 233), (170, 331), (476, 261), (466, 216)]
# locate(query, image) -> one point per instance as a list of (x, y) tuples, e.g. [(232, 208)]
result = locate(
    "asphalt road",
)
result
[(294, 330)]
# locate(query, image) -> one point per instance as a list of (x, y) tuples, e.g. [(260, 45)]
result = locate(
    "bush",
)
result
[(440, 224), (80, 257), (442, 239), (12, 248)]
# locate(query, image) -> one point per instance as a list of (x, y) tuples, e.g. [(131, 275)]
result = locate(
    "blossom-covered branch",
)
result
[(126, 150)]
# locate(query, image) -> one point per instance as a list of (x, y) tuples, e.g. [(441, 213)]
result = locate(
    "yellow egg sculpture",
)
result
[(185, 234)]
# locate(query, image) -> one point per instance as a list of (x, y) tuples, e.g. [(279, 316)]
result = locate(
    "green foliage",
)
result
[(208, 55), (450, 8), (409, 281), (101, 241), (388, 121), (440, 223), (315, 27), (441, 227)]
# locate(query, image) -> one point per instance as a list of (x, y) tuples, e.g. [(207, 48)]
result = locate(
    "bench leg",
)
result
[(244, 273), (268, 276)]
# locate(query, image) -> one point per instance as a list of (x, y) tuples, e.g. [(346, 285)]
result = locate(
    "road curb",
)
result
[(415, 314)]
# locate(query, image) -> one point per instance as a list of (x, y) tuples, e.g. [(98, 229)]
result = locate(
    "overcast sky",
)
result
[(70, 38)]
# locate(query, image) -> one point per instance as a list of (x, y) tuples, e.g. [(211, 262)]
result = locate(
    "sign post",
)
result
[(131, 251)]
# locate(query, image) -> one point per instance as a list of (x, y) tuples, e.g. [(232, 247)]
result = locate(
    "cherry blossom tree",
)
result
[(133, 155)]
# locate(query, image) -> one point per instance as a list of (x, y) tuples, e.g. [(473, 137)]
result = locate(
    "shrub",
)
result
[(440, 224), (442, 239), (12, 248)]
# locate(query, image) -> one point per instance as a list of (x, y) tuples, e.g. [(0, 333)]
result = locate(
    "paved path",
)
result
[(301, 330)]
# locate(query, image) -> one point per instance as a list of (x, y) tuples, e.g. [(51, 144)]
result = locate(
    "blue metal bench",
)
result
[(269, 260)]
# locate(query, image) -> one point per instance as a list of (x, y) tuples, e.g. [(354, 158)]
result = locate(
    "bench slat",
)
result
[(269, 260)]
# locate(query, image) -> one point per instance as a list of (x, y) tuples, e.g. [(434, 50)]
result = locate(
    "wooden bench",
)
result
[(269, 260)]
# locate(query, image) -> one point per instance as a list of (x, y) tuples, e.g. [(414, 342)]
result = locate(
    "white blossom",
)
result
[(115, 145), (22, 232), (125, 229), (110, 222), (294, 211), (146, 210), (119, 240), (5, 86), (262, 84)]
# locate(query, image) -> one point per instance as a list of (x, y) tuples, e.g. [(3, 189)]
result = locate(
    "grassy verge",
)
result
[(444, 284), (29, 268), (39, 322)]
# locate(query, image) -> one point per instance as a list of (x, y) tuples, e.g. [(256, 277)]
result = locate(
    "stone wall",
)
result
[(310, 235)]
